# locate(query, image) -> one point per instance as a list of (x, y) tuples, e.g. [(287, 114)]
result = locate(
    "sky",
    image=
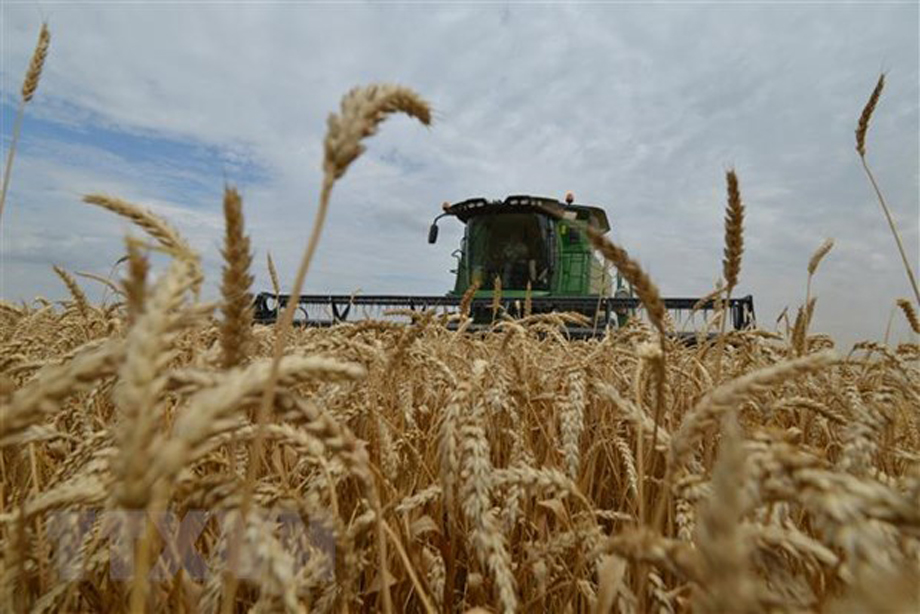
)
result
[(638, 108)]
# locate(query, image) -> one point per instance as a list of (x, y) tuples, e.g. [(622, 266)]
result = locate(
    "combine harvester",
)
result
[(532, 246)]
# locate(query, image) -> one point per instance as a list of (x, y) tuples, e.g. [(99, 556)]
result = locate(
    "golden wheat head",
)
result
[(910, 314), (734, 232), (819, 255), (37, 64), (236, 327), (362, 111), (866, 115)]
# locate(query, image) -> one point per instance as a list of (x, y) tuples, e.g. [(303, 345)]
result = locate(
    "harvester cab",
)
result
[(529, 245)]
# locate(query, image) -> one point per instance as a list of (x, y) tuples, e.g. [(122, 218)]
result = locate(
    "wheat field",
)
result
[(163, 453)]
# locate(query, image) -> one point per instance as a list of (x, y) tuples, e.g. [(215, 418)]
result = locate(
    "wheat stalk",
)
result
[(861, 129), (362, 112), (648, 293), (154, 226), (813, 263), (633, 273), (724, 552), (730, 395), (33, 74), (147, 351), (42, 397)]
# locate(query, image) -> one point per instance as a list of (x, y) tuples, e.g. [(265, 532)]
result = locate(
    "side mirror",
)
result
[(433, 234)]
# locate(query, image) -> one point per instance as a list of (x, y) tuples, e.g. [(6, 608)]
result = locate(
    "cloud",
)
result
[(637, 109)]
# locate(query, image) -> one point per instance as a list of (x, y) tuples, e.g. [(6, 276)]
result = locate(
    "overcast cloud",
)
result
[(639, 109)]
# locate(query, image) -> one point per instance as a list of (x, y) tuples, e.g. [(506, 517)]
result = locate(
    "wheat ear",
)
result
[(217, 408), (731, 263), (147, 351), (731, 394), (641, 283), (572, 422), (800, 328), (496, 297), (861, 129), (476, 482), (135, 285), (102, 280), (79, 298), (28, 91), (724, 549), (813, 263), (236, 327), (819, 255), (273, 274), (466, 300), (362, 112), (734, 233), (910, 314), (648, 293), (863, 125), (165, 235), (44, 394), (153, 225)]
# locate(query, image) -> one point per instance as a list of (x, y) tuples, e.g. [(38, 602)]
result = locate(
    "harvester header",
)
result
[(526, 250)]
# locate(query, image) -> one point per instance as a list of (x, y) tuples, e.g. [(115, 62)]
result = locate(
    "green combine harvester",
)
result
[(522, 247)]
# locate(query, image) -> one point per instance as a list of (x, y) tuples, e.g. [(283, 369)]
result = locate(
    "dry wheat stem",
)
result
[(861, 129), (146, 220), (648, 293), (724, 553), (102, 280), (29, 86), (730, 394), (147, 351), (44, 394), (894, 231)]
